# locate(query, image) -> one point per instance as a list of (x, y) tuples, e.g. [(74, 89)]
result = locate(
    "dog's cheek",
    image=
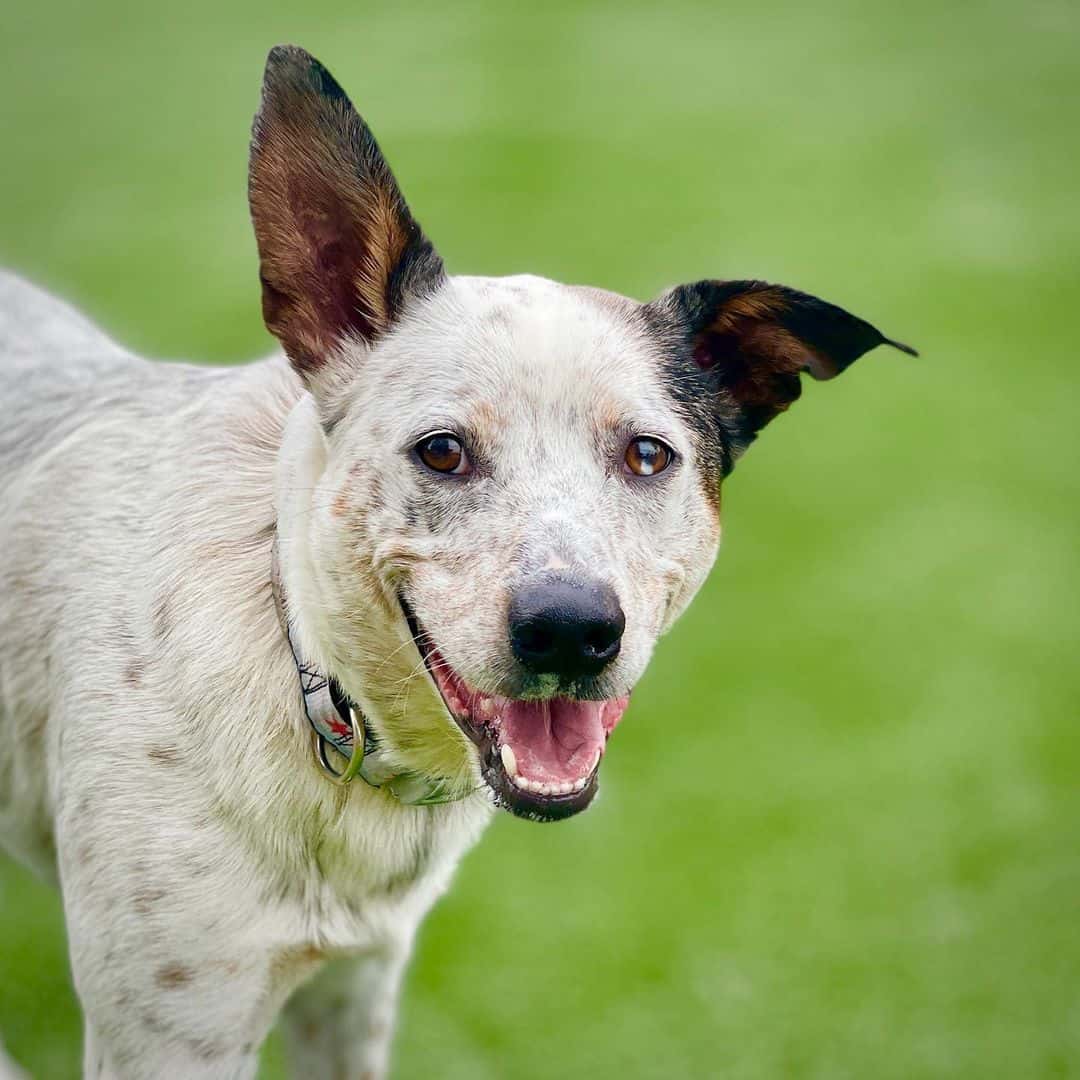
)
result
[(701, 545)]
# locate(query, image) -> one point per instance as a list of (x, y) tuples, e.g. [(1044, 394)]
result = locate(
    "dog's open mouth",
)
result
[(540, 758)]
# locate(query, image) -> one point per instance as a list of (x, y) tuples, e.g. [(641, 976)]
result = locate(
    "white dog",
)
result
[(429, 553)]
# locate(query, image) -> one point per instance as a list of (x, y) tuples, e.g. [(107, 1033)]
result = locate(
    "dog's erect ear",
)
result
[(339, 253), (751, 341)]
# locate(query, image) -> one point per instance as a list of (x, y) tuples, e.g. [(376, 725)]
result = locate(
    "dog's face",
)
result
[(517, 488), (514, 444)]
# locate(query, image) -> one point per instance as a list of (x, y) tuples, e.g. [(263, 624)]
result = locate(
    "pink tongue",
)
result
[(558, 740)]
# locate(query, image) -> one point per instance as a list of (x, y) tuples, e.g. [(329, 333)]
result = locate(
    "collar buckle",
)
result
[(356, 760)]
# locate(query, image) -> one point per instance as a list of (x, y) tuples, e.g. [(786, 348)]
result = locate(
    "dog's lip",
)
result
[(536, 800)]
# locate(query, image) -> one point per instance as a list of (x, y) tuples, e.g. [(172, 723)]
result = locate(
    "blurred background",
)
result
[(838, 832)]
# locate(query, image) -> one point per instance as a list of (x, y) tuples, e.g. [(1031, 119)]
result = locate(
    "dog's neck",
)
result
[(300, 464)]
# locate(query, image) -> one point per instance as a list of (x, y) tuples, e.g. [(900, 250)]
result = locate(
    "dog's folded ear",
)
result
[(748, 342), (340, 254)]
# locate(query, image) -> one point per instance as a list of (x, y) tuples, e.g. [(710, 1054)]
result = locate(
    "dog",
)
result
[(277, 640)]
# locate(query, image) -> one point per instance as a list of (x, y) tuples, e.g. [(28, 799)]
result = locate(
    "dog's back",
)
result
[(55, 364), (101, 455)]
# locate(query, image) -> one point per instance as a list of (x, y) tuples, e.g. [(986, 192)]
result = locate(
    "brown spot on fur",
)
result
[(145, 898), (609, 418), (152, 1024), (173, 976), (164, 755), (711, 487), (162, 616), (486, 417), (289, 966), (133, 673), (342, 503), (206, 1049)]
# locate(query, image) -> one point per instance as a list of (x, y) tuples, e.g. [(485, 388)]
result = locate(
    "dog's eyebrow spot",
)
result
[(485, 416), (609, 417), (164, 755), (173, 976)]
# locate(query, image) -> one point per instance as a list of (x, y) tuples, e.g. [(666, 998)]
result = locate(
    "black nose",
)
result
[(565, 628)]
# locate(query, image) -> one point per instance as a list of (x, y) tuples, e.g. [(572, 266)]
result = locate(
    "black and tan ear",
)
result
[(340, 255), (752, 341)]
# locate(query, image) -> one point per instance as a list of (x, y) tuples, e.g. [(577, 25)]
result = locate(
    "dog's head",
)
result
[(513, 485)]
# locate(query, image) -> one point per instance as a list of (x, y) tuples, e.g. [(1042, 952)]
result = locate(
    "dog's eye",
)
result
[(646, 456), (444, 453)]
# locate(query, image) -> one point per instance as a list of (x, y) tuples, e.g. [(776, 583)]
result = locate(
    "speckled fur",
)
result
[(154, 756)]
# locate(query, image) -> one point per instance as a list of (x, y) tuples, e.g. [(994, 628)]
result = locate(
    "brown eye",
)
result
[(647, 457), (444, 453)]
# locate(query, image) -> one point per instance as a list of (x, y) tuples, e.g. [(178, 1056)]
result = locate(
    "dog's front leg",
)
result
[(339, 1025), (104, 1059)]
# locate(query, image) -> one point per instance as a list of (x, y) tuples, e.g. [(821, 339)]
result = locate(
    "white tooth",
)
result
[(543, 789), (486, 707), (509, 759), (566, 787), (580, 784)]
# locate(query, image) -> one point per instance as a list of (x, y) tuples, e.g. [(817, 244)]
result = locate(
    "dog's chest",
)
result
[(363, 874)]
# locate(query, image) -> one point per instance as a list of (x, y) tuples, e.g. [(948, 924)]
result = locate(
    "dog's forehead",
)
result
[(526, 345)]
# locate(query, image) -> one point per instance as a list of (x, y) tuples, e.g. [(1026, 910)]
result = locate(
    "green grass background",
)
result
[(839, 828)]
